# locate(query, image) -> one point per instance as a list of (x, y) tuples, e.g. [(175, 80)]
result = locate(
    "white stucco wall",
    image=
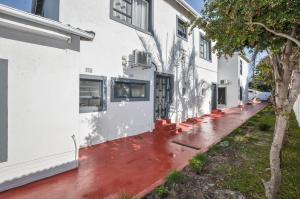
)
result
[(43, 83), (297, 109), (244, 78), (42, 102), (104, 55), (229, 69)]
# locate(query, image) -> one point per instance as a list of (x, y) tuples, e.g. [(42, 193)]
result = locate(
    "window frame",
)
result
[(129, 81), (203, 37), (3, 110), (241, 67), (150, 18), (102, 79), (177, 28)]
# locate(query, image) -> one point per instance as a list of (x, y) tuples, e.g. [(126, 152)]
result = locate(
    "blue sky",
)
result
[(196, 4), (26, 4), (19, 4)]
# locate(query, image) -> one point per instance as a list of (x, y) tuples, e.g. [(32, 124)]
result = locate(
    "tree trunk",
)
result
[(280, 129)]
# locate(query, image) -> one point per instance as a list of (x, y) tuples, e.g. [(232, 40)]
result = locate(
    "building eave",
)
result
[(46, 22), (189, 8)]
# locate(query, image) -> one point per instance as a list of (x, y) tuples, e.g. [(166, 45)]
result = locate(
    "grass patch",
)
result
[(249, 158), (162, 191), (175, 177)]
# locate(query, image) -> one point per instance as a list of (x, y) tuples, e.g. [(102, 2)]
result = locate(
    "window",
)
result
[(133, 12), (181, 28), (92, 94), (130, 90), (241, 67), (205, 48)]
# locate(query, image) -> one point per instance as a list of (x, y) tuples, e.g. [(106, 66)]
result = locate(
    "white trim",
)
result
[(31, 29), (44, 21), (189, 8)]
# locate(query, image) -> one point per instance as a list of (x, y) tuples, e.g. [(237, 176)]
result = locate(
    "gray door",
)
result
[(163, 96)]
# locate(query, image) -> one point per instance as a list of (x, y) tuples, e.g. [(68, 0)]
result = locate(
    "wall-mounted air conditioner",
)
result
[(224, 82), (141, 59)]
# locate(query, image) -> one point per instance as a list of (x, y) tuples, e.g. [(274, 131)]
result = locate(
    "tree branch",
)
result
[(296, 41)]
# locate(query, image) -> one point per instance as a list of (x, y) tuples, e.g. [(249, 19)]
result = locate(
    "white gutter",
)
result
[(31, 29), (44, 21), (189, 8)]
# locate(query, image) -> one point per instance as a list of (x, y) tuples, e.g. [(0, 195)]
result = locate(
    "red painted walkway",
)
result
[(133, 165)]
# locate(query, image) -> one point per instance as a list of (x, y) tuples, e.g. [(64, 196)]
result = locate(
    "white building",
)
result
[(62, 87), (233, 81)]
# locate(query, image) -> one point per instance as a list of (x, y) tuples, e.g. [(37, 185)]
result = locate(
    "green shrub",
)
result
[(238, 131), (201, 157), (162, 191), (251, 123), (264, 127), (225, 143), (175, 177), (214, 149), (240, 138), (198, 162)]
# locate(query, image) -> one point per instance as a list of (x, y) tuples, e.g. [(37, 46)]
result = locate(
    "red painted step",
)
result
[(160, 123), (166, 127), (193, 120)]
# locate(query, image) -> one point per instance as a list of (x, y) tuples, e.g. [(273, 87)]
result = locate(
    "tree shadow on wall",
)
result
[(190, 90)]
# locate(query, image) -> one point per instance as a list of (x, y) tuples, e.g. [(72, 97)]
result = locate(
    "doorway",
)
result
[(163, 94), (222, 95)]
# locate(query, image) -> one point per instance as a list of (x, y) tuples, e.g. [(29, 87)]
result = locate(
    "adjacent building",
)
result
[(233, 81), (120, 66)]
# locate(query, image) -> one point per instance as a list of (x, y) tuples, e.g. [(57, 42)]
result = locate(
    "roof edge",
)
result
[(189, 8), (46, 22)]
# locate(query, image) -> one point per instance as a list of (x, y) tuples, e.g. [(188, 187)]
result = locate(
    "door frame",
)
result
[(171, 76)]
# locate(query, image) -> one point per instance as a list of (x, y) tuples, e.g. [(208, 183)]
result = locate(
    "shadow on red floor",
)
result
[(138, 164)]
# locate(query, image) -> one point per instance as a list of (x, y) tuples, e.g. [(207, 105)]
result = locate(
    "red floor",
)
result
[(133, 165)]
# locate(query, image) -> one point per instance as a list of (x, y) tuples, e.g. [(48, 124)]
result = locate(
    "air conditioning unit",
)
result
[(224, 82), (141, 59)]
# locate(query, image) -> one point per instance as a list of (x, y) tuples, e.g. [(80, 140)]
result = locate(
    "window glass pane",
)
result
[(122, 9), (145, 11), (138, 90), (90, 95), (122, 90), (182, 29), (140, 14)]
